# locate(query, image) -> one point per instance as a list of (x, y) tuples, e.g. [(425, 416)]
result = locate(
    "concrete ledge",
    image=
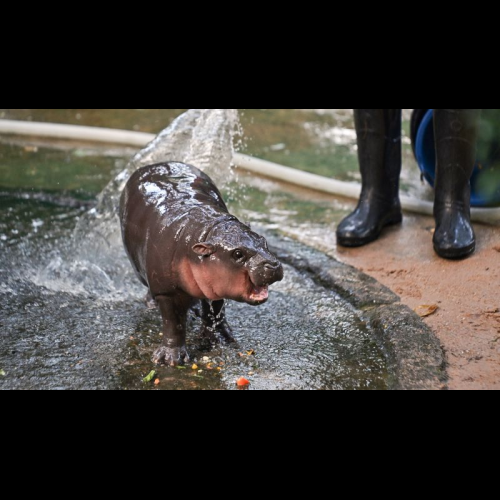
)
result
[(360, 290), (414, 352), (415, 357)]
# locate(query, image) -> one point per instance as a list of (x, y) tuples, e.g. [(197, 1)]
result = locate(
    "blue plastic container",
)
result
[(485, 180)]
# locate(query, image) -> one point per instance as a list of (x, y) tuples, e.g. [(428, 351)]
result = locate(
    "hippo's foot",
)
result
[(223, 331), (171, 356)]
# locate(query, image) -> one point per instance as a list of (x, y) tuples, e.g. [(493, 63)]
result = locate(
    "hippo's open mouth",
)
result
[(257, 294)]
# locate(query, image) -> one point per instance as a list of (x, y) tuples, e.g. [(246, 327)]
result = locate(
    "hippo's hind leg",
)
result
[(174, 313), (214, 321)]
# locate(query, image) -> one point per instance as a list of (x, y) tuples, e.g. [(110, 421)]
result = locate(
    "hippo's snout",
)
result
[(276, 271), (261, 276), (268, 272)]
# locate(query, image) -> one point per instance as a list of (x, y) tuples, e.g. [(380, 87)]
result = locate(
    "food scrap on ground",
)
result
[(157, 381), (425, 311), (2, 373), (194, 367), (243, 382), (150, 377), (250, 352)]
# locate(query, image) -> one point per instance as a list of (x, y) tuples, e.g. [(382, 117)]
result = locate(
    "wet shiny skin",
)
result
[(184, 245)]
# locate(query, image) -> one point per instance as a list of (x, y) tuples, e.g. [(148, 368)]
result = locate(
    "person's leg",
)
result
[(379, 151), (456, 133)]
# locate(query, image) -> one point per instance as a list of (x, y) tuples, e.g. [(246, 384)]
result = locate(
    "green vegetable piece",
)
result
[(150, 377)]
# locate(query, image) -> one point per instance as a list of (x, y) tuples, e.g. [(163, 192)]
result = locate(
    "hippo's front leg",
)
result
[(214, 321), (174, 313)]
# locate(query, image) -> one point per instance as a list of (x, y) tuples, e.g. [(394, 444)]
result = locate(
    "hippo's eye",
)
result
[(238, 255)]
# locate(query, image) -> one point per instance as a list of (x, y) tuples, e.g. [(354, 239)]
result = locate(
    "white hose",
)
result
[(346, 189), (94, 134), (255, 165)]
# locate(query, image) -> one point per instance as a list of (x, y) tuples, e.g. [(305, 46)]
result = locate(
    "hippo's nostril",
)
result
[(271, 267)]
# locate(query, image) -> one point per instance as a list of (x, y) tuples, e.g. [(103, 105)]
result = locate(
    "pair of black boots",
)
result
[(379, 145)]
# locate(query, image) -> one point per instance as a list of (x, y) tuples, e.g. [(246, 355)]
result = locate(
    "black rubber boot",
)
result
[(456, 133), (379, 150)]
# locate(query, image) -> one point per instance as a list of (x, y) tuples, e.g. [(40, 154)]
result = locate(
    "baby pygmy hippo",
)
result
[(185, 246)]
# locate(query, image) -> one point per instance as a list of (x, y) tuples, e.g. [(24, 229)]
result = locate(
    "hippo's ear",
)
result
[(204, 249)]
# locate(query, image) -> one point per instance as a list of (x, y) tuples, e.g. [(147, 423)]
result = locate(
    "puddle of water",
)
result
[(34, 169), (72, 314)]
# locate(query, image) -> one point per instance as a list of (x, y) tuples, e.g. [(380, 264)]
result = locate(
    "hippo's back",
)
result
[(166, 187)]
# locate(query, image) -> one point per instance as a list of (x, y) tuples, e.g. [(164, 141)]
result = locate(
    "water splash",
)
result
[(94, 261), (200, 137)]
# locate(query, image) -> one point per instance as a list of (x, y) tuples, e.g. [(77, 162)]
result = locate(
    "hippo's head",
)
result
[(236, 263)]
